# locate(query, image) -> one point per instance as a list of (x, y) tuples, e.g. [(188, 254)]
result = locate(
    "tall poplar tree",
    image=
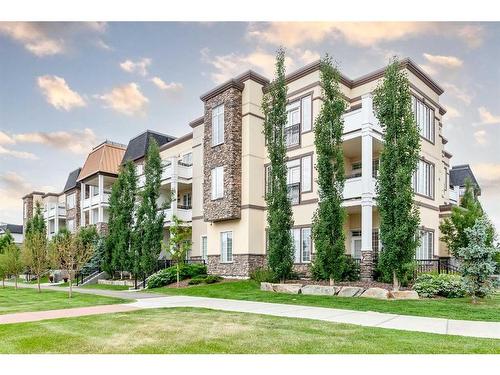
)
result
[(329, 218), (399, 217), (148, 230), (35, 253), (118, 255), (279, 210)]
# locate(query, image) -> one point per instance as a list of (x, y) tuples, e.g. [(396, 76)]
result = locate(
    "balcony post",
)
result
[(367, 188), (82, 199), (174, 185), (100, 215)]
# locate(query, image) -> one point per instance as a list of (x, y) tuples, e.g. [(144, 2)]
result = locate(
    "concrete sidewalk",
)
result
[(363, 318)]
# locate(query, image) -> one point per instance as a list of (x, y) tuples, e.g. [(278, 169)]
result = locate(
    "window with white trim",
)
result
[(70, 201), (302, 244), (217, 182), (306, 104), (424, 117), (426, 248), (218, 125), (226, 243), (292, 127), (204, 247), (293, 180), (423, 179), (186, 159), (306, 165)]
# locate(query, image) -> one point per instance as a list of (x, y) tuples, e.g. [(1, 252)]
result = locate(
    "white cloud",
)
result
[(365, 34), (452, 112), (103, 45), (487, 172), (17, 154), (480, 137), (162, 85), (48, 38), (126, 99), (75, 141), (139, 66), (6, 139), (306, 56), (487, 117), (444, 61), (59, 94), (230, 65), (457, 92)]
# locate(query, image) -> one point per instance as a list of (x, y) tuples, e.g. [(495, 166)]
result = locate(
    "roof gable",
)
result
[(105, 158), (138, 146)]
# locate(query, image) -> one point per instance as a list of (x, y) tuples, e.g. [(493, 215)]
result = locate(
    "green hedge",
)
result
[(205, 279), (444, 285), (169, 275)]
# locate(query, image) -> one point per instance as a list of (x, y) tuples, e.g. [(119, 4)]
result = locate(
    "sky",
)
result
[(65, 87)]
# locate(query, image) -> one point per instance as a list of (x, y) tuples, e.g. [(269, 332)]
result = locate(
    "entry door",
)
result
[(356, 247)]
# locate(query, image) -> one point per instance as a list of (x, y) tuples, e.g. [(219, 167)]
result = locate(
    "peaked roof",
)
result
[(458, 175), (104, 158), (138, 146), (71, 181), (12, 228)]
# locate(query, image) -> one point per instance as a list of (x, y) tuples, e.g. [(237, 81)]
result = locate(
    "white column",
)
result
[(174, 185), (82, 198), (367, 187), (100, 213)]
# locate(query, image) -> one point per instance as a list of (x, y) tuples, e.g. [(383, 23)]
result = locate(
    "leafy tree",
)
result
[(121, 221), (329, 218), (3, 268), (476, 260), (35, 255), (96, 261), (279, 210), (12, 262), (70, 252), (37, 222), (6, 240), (464, 216), (148, 231), (398, 162), (179, 243)]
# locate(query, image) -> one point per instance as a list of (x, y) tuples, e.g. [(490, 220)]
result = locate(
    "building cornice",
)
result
[(193, 124), (177, 141), (33, 193), (232, 83)]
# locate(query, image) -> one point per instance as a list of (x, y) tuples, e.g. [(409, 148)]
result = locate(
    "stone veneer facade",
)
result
[(74, 213), (241, 266), (227, 154)]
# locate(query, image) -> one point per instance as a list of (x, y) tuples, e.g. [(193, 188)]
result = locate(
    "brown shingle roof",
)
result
[(105, 158)]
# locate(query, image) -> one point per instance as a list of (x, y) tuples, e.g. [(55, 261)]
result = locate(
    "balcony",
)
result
[(184, 213), (53, 211), (352, 121), (353, 188), (95, 200)]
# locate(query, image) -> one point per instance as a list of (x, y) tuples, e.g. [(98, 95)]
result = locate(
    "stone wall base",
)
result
[(366, 265), (241, 266)]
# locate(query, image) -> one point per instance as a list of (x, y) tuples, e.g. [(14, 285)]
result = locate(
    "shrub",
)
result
[(263, 275), (206, 279), (212, 279), (351, 270), (445, 285), (169, 275)]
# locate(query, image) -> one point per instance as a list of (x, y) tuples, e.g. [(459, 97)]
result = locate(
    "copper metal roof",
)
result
[(105, 158)]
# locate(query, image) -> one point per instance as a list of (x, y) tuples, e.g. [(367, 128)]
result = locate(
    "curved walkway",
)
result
[(146, 300)]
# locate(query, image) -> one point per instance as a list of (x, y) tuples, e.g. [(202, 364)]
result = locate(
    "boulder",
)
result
[(287, 288), (267, 287), (320, 290), (378, 293), (404, 294), (350, 291)]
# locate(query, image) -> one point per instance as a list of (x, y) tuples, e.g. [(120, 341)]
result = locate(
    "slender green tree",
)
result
[(398, 162), (3, 268), (329, 218), (118, 255), (279, 210), (179, 243), (453, 228), (6, 240), (37, 222), (148, 230), (12, 261)]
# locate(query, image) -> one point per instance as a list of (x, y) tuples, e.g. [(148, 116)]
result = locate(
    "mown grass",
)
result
[(248, 290), (28, 299), (192, 330)]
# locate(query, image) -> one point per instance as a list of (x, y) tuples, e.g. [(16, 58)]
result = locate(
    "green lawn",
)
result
[(189, 330), (457, 308), (27, 299)]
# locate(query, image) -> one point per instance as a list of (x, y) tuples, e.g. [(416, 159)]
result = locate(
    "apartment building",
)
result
[(214, 177)]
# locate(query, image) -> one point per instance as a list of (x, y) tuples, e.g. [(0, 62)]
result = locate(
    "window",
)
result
[(306, 104), (302, 244), (306, 245), (217, 183), (426, 248), (306, 164), (70, 224), (375, 168), (186, 160), (446, 176), (70, 201), (204, 247), (267, 178), (356, 169), (218, 125), (356, 244), (292, 127), (423, 179), (296, 244), (226, 242), (424, 117), (293, 180), (376, 245), (186, 201), (95, 216)]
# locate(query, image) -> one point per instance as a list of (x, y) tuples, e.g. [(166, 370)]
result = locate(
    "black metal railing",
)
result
[(439, 265)]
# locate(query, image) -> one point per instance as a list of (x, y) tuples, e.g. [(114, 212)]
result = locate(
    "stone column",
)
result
[(367, 188)]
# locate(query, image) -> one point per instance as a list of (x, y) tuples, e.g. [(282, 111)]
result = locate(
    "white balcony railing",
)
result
[(184, 214), (352, 121), (352, 188), (96, 200)]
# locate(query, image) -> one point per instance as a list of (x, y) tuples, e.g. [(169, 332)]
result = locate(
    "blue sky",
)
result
[(68, 86)]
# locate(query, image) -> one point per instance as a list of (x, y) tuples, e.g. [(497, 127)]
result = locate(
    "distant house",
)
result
[(14, 229)]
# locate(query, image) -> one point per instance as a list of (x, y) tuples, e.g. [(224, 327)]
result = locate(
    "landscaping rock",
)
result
[(267, 287), (378, 293), (350, 291), (287, 288), (404, 294), (320, 290)]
